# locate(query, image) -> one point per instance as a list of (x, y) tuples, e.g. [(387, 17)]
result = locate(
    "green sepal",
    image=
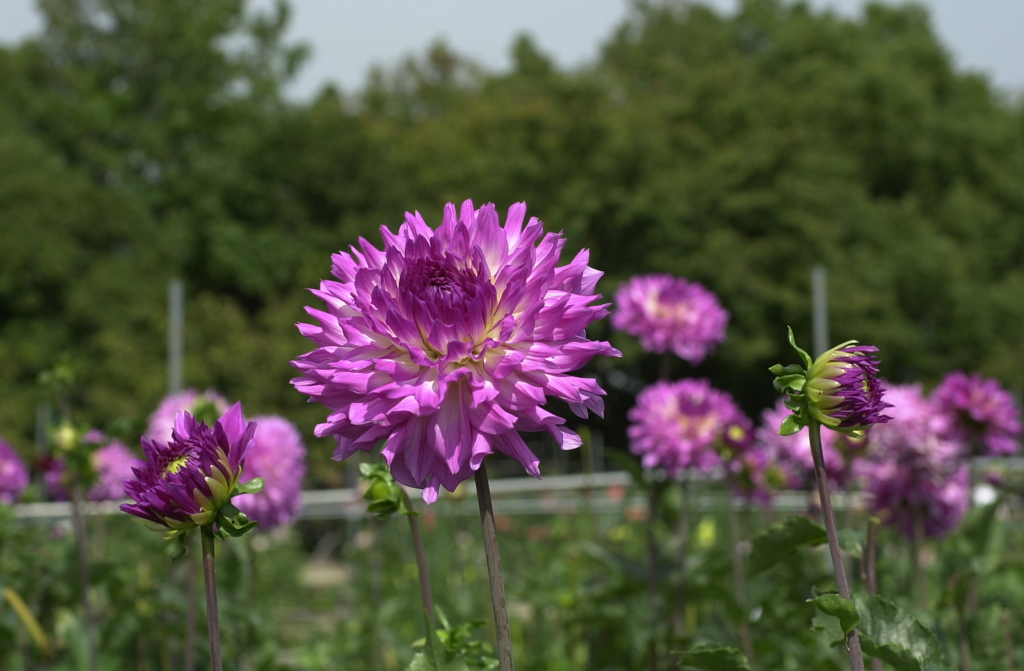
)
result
[(791, 425), (233, 522), (180, 546), (804, 356), (254, 486), (787, 383)]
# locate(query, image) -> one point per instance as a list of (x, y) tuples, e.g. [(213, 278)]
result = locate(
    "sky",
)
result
[(347, 37)]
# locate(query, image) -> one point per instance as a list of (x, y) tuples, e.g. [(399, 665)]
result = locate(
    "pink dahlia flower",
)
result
[(447, 342), (13, 474), (207, 406), (987, 417), (792, 453), (916, 465), (671, 313), (111, 464), (279, 457), (681, 425)]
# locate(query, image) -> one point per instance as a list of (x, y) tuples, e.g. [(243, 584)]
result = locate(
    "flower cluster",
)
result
[(987, 417), (671, 313), (206, 406), (278, 456), (189, 480), (13, 474), (447, 342)]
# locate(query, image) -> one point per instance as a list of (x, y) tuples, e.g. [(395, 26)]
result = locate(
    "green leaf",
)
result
[(829, 626), (781, 539), (790, 425), (254, 486), (366, 469), (852, 542), (714, 658), (804, 356), (838, 607), (897, 638), (434, 657)]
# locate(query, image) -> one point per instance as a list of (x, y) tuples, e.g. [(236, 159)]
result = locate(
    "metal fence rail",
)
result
[(608, 492)]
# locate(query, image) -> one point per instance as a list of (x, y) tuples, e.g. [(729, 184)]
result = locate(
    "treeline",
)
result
[(142, 140)]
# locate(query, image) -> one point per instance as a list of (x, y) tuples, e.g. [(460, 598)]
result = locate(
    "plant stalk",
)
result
[(852, 639), (421, 559), (210, 575), (652, 572), (502, 632), (920, 581), (739, 579), (82, 546), (870, 573), (683, 535), (191, 568)]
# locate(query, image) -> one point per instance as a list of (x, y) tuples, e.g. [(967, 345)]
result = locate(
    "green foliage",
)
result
[(782, 539), (838, 607), (385, 495), (435, 656), (897, 638), (714, 658)]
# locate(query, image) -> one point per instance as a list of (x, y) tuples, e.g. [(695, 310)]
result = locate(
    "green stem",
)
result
[(210, 574), (421, 559), (852, 640), (82, 545), (503, 633), (739, 579), (683, 536), (652, 573)]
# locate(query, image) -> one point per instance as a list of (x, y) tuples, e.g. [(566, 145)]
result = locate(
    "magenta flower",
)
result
[(987, 417), (185, 482), (792, 453), (843, 390), (207, 406), (111, 465), (447, 343), (279, 457), (13, 474), (671, 313), (916, 465), (684, 424)]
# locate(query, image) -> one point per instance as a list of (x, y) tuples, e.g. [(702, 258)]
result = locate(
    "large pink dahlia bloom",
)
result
[(447, 342), (278, 456), (13, 474), (680, 425), (671, 313)]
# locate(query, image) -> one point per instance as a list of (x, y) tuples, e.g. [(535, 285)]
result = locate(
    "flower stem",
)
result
[(683, 536), (191, 569), (852, 639), (916, 545), (82, 545), (870, 574), (652, 572), (502, 632), (210, 574), (739, 579), (421, 559)]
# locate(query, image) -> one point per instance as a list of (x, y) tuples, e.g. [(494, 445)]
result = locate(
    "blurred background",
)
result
[(737, 144)]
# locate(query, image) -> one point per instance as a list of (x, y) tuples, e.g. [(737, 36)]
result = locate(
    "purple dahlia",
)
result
[(684, 424), (446, 343), (111, 465), (843, 390), (915, 467), (987, 417), (671, 313), (186, 481), (207, 406), (279, 457), (13, 474)]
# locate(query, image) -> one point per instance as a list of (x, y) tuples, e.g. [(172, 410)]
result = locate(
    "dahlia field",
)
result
[(856, 523)]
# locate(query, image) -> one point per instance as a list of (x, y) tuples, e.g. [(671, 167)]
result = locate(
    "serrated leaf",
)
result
[(781, 539), (434, 657), (714, 658), (838, 607), (897, 638)]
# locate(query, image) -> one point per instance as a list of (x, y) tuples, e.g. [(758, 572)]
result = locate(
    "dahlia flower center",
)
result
[(176, 460)]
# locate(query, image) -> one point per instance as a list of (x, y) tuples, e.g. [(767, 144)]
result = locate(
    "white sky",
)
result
[(347, 36)]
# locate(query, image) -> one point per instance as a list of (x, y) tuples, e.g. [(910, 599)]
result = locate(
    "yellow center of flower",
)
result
[(736, 433), (176, 465)]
